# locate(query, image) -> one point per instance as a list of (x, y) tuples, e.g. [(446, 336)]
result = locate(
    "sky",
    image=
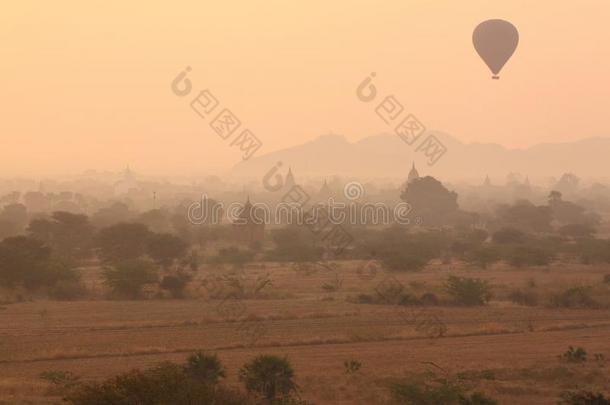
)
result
[(87, 85)]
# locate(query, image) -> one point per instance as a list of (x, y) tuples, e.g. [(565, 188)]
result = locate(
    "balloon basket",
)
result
[(495, 77)]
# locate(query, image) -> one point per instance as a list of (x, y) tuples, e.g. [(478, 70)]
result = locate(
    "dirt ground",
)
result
[(319, 327)]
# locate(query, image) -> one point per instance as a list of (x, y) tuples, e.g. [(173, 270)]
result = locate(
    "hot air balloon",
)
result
[(495, 42)]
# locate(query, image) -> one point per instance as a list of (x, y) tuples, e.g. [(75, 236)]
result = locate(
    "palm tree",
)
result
[(268, 375), (205, 367)]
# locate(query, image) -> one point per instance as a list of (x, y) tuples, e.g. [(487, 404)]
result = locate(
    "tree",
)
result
[(205, 367), (295, 243), (28, 262), (508, 236), (528, 255), (430, 200), (468, 291), (127, 278), (115, 214), (175, 284), (233, 255), (70, 235), (164, 248), (166, 383), (156, 220), (566, 212), (577, 231), (270, 376), (483, 256), (525, 215), (123, 241), (13, 219)]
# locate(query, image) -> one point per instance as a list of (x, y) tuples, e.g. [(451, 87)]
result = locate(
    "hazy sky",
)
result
[(88, 86)]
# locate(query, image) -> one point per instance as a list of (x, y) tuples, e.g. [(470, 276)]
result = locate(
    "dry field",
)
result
[(503, 349)]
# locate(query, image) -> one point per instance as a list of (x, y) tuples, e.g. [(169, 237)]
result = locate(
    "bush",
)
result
[(593, 251), (508, 236), (269, 376), (583, 398), (29, 263), (468, 291), (442, 393), (204, 367), (574, 297), (127, 279), (521, 256), (351, 366), (167, 383), (483, 256), (68, 290), (175, 284), (63, 381), (233, 255), (575, 355), (164, 248), (527, 298), (438, 392), (429, 299), (607, 279)]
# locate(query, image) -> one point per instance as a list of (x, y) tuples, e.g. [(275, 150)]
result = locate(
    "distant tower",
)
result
[(249, 227), (289, 179), (325, 193), (126, 183), (413, 174), (487, 182)]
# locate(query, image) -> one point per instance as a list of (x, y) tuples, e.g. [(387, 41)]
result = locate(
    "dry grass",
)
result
[(318, 331)]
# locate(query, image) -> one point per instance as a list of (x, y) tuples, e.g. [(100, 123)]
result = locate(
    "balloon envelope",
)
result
[(495, 42)]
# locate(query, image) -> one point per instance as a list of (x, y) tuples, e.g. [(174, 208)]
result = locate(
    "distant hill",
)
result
[(387, 156)]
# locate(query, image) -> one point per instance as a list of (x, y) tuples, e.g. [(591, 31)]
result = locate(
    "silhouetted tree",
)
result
[(164, 248), (28, 262), (430, 200), (70, 235), (123, 241), (127, 278), (270, 376)]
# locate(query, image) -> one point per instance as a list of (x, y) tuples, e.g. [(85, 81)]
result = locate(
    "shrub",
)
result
[(593, 251), (28, 262), (233, 255), (438, 392), (167, 383), (521, 256), (127, 279), (575, 355), (477, 398), (67, 290), (483, 256), (351, 366), (574, 297), (468, 291), (583, 398), (426, 393), (508, 236), (577, 231), (164, 248), (607, 279), (63, 381), (175, 284), (270, 376), (429, 299), (205, 367), (527, 298)]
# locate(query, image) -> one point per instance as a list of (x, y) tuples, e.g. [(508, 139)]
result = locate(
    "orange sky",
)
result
[(89, 86)]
